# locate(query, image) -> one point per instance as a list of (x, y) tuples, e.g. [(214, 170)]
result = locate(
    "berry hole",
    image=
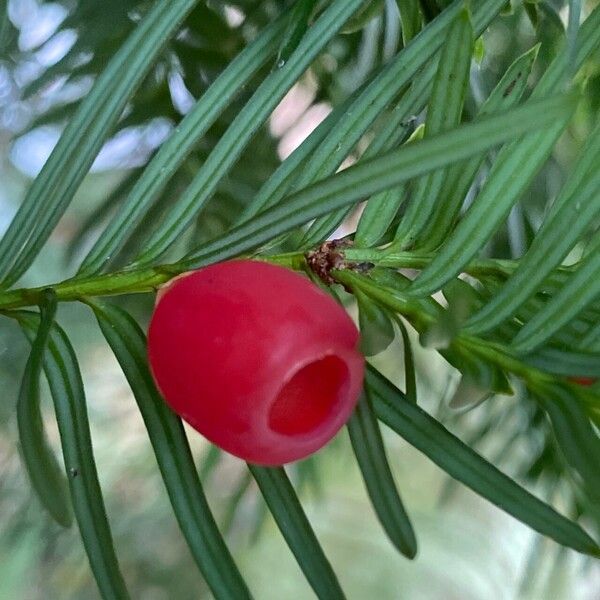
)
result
[(310, 397)]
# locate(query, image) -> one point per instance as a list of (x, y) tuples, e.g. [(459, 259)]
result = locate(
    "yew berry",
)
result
[(256, 358)]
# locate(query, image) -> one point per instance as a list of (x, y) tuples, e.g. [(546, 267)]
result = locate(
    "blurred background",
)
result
[(51, 53)]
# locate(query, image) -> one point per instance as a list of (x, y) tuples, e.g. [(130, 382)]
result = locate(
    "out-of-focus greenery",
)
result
[(468, 549)]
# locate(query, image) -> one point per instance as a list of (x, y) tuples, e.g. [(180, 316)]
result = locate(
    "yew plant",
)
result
[(443, 168)]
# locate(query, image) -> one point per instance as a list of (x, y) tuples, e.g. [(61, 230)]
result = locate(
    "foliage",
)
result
[(457, 206)]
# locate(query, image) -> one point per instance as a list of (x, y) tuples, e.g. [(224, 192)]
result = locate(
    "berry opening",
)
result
[(309, 397)]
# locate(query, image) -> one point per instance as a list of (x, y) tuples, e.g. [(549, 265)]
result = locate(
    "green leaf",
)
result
[(431, 8), (502, 189), (371, 176), (469, 393), (575, 435), (591, 340), (439, 334), (7, 31), (461, 298), (465, 465), (394, 133), (180, 144), (581, 289), (568, 363), (384, 88), (372, 460), (297, 24), (573, 30), (505, 95), (295, 528), (410, 376), (494, 420), (532, 12), (369, 10), (280, 182), (47, 478), (410, 17), (381, 209), (101, 213), (240, 132), (551, 13), (578, 206), (376, 329), (173, 455), (377, 216), (55, 186), (444, 112), (66, 387), (568, 336), (386, 288), (480, 380), (395, 125), (508, 9)]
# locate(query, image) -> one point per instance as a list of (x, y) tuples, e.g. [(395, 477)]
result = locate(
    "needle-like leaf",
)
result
[(579, 203), (380, 210), (398, 73), (443, 113), (47, 478), (506, 94), (502, 189), (566, 362), (179, 145), (410, 377), (410, 17), (55, 186), (575, 435), (244, 126), (372, 460), (295, 528), (465, 465), (66, 387), (297, 24), (371, 176), (280, 182), (376, 328), (580, 290), (173, 455)]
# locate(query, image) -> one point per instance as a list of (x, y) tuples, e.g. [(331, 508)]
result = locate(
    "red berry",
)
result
[(256, 358), (587, 381)]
